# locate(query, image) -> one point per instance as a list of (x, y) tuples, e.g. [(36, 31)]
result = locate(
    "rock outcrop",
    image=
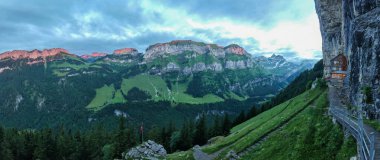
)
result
[(179, 46), (131, 51), (352, 27), (34, 54), (235, 49), (147, 150)]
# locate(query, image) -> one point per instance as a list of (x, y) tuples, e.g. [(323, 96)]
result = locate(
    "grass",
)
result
[(309, 135), (157, 88), (56, 66), (232, 95), (185, 155), (373, 123), (153, 85), (104, 96), (180, 96), (245, 134)]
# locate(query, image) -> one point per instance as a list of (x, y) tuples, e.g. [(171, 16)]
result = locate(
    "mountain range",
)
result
[(54, 86)]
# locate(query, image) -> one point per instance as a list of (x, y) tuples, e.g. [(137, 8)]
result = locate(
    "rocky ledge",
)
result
[(34, 54), (147, 150)]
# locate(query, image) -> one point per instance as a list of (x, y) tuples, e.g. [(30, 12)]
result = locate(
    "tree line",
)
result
[(100, 143)]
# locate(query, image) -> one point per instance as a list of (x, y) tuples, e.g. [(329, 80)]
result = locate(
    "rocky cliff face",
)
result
[(93, 55), (18, 54), (131, 51), (179, 46), (352, 27)]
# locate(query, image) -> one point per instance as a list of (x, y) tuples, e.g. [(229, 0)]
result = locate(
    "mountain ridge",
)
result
[(105, 87)]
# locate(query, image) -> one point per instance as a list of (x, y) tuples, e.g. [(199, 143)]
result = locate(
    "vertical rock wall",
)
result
[(352, 27), (330, 18)]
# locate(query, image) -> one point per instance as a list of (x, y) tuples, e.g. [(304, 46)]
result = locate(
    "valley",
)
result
[(190, 80), (177, 73)]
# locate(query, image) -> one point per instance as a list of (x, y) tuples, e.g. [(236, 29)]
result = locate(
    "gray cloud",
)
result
[(84, 26), (264, 12)]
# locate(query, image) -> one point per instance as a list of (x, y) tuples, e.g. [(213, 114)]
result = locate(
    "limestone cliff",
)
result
[(93, 55), (351, 27), (179, 46), (131, 51), (17, 54)]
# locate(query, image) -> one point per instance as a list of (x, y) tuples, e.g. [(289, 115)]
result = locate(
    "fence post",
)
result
[(372, 148)]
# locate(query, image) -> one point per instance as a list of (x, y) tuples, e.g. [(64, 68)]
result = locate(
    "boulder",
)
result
[(147, 150)]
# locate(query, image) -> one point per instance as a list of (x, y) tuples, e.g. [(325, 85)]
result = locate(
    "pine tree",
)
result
[(5, 153), (217, 128), (120, 141), (200, 136), (185, 137), (239, 119), (226, 125), (253, 112)]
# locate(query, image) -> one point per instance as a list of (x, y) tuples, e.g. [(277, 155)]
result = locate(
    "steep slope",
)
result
[(246, 134), (302, 120), (309, 135)]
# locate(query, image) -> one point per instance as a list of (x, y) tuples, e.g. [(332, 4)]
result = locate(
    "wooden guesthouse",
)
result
[(339, 67)]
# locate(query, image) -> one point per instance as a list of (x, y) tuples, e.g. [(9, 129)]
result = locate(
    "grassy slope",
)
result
[(247, 133), (57, 66), (310, 135), (184, 155), (157, 88), (154, 86), (104, 96), (373, 123)]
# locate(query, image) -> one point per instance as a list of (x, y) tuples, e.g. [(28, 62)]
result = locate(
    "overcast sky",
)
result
[(262, 27)]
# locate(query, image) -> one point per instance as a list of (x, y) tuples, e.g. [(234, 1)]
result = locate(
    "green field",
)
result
[(104, 96), (247, 133), (65, 65), (157, 88), (310, 135)]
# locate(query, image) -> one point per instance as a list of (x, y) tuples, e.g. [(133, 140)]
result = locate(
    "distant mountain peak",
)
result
[(236, 49), (93, 55), (132, 51), (277, 57), (34, 54), (176, 43)]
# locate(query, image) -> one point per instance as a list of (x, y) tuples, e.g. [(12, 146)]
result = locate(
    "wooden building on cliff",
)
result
[(339, 67)]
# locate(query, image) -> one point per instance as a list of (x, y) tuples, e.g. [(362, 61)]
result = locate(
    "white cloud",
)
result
[(299, 35)]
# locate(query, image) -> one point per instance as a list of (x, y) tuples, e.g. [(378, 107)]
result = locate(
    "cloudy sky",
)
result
[(262, 27)]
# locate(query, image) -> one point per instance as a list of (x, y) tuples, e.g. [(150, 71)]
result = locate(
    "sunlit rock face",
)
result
[(235, 49), (18, 54), (131, 51), (93, 55), (352, 27)]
